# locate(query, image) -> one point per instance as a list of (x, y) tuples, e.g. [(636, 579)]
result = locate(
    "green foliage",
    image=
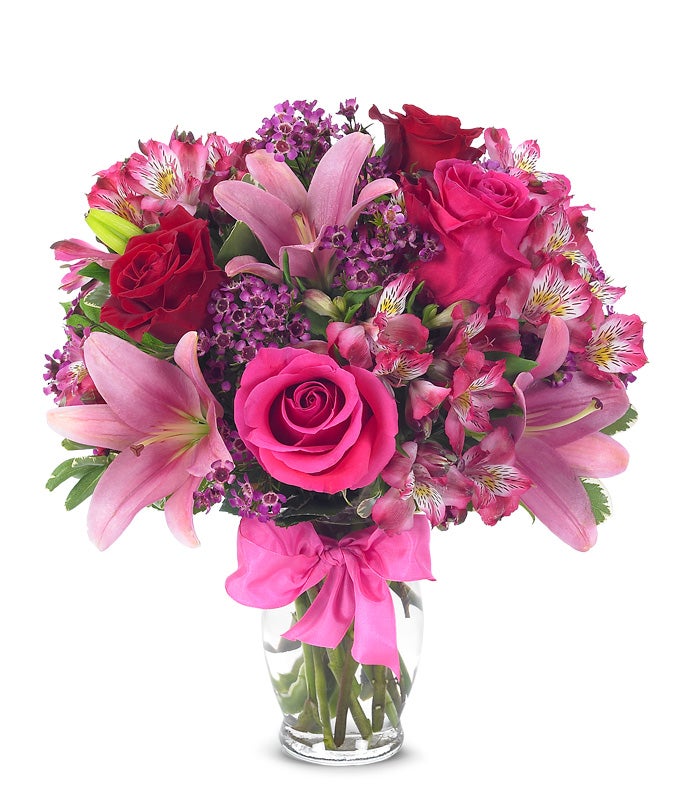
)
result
[(240, 241), (86, 470), (513, 364), (599, 500), (93, 270), (628, 419)]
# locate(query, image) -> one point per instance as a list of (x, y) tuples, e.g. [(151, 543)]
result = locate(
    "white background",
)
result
[(543, 670)]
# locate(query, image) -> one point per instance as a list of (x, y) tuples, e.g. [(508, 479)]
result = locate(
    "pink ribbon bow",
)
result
[(277, 564)]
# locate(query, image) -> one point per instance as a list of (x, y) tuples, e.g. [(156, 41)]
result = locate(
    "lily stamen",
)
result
[(593, 405)]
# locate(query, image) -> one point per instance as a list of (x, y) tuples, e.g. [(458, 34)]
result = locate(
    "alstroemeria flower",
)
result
[(76, 254), (289, 220), (558, 439), (488, 473), (163, 420), (419, 481)]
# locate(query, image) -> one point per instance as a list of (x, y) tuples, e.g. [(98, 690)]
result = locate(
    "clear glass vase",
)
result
[(335, 710)]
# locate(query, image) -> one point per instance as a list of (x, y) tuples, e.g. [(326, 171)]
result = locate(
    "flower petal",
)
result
[(179, 512), (370, 192), (130, 483), (141, 390), (92, 424), (557, 498), (595, 455), (269, 218), (277, 179), (331, 191)]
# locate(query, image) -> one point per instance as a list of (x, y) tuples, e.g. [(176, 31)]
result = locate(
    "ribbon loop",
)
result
[(277, 564)]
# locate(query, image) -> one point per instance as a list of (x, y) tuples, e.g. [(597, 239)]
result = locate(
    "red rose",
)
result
[(162, 283), (480, 217), (417, 140)]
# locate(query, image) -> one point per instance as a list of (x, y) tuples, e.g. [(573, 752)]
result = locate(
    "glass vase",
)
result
[(337, 711)]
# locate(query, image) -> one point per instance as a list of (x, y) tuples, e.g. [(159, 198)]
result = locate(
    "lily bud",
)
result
[(320, 303), (113, 231)]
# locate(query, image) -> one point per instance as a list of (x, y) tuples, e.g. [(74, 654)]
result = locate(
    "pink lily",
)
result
[(558, 439), (162, 418), (290, 220)]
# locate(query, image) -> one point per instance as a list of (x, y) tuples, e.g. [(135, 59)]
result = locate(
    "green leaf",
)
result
[(84, 488), (91, 304), (513, 364), (358, 296), (150, 344), (412, 297), (76, 467), (93, 270), (599, 500), (111, 229), (626, 421), (240, 241), (73, 445), (78, 321)]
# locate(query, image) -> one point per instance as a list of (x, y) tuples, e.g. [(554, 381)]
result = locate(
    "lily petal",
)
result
[(558, 498), (269, 218), (131, 483), (596, 455), (248, 264), (179, 510), (140, 389), (369, 193), (554, 348), (94, 425), (331, 190), (278, 179)]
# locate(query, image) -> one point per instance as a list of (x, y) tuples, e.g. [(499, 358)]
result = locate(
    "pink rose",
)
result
[(314, 424), (480, 218)]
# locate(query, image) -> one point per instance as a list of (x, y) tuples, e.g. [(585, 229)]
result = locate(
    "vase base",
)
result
[(353, 751)]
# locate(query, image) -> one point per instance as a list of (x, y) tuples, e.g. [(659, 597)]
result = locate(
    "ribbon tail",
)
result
[(326, 621), (375, 626)]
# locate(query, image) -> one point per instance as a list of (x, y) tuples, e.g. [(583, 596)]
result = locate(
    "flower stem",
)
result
[(322, 698), (346, 683), (301, 605), (378, 709), (335, 656)]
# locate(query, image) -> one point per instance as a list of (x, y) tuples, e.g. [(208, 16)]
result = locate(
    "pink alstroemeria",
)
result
[(615, 347), (162, 418), (488, 474), (558, 440), (420, 482), (289, 220), (168, 175), (477, 388)]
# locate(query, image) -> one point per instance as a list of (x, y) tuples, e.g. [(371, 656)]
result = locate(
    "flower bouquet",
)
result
[(346, 345)]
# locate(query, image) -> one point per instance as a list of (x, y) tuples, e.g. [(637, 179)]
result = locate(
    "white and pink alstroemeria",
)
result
[(477, 388), (419, 481), (522, 163), (168, 175), (76, 254), (555, 290), (113, 192), (616, 347), (486, 474), (389, 343), (161, 418), (290, 221), (557, 441)]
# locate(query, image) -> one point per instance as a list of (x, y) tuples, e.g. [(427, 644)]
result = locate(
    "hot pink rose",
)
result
[(480, 217), (314, 424)]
